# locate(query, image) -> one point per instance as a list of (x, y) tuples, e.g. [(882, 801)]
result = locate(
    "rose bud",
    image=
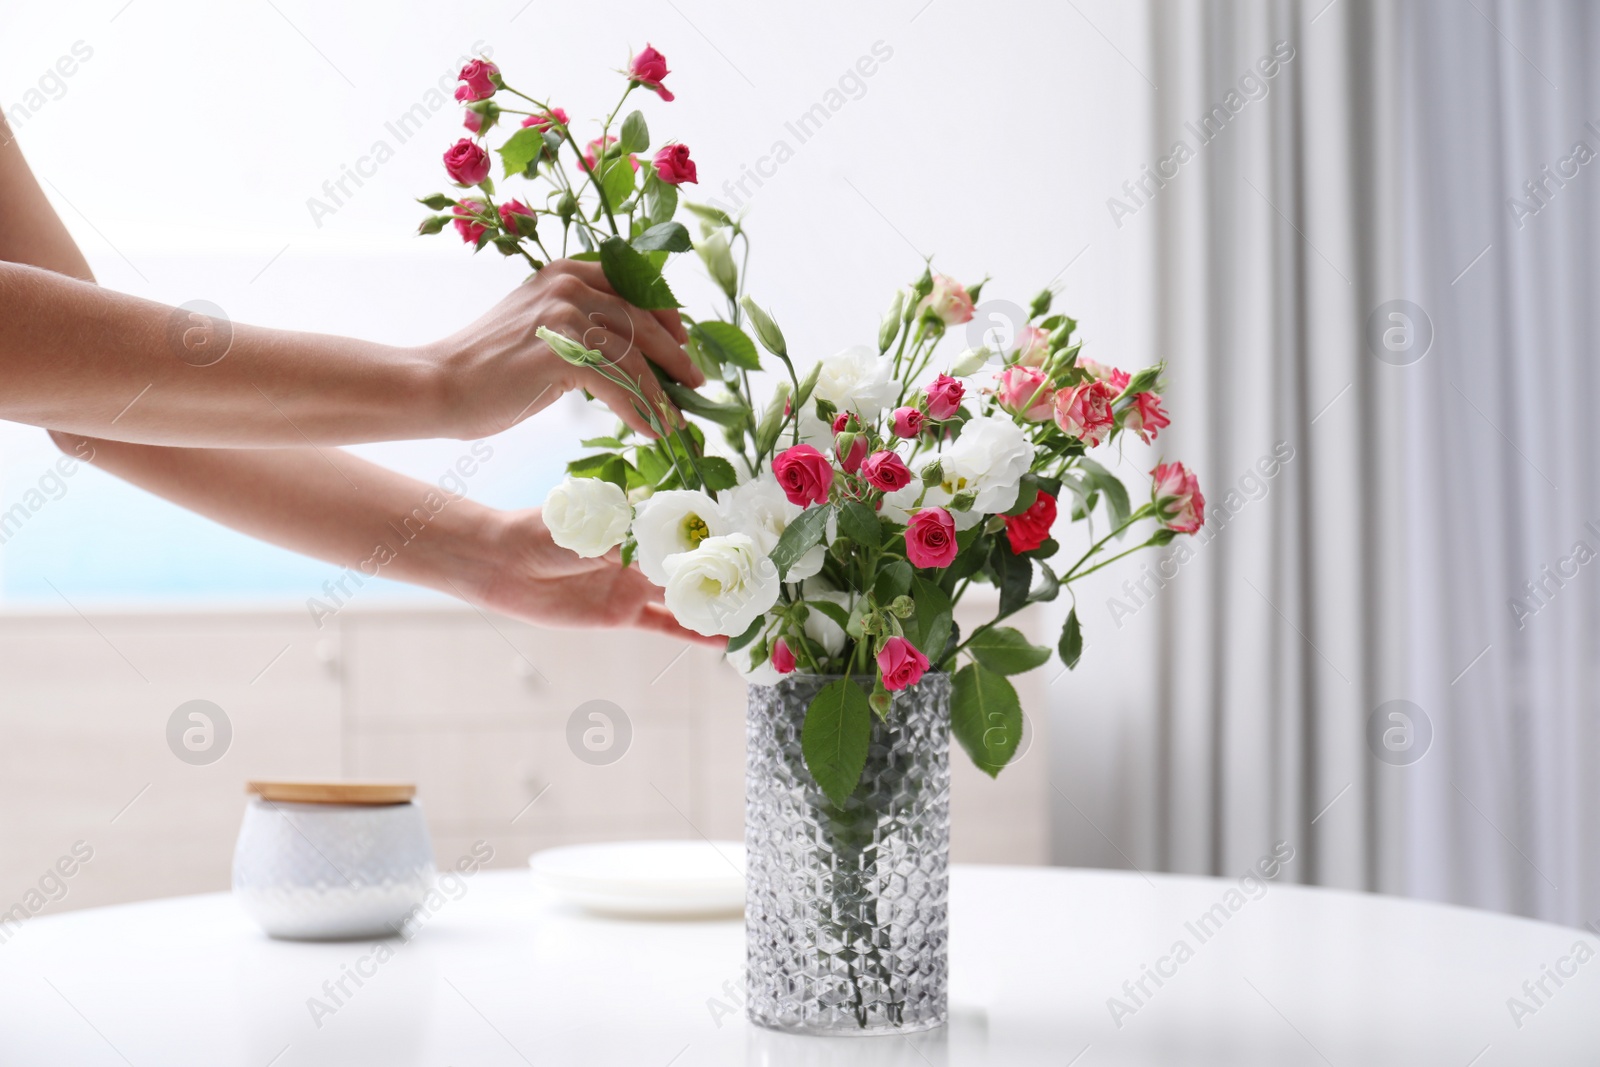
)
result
[(841, 421), (546, 120), (478, 78), (851, 448), (1025, 391), (1084, 411), (594, 150), (782, 657), (902, 665), (949, 301), (1033, 346), (907, 421), (1145, 417), (469, 228), (944, 397), (1179, 504), (648, 69), (674, 166), (466, 162), (517, 218)]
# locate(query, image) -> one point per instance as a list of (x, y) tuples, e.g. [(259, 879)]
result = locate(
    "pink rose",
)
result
[(886, 471), (1084, 412), (479, 83), (1145, 417), (1031, 529), (466, 162), (841, 421), (473, 122), (1033, 346), (648, 68), (470, 230), (944, 397), (782, 658), (902, 665), (1025, 391), (851, 448), (508, 218), (674, 166), (1176, 492), (804, 473), (1117, 379), (593, 150), (907, 422), (949, 301), (547, 120), (931, 538)]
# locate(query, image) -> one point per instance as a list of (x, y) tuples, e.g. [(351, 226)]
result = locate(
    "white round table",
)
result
[(501, 976)]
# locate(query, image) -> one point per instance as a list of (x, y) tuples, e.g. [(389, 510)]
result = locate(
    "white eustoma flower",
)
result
[(721, 587), (760, 508), (762, 674), (988, 459), (673, 522), (818, 626), (857, 380), (587, 516)]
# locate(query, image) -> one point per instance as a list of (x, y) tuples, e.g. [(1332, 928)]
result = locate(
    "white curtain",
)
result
[(1383, 372)]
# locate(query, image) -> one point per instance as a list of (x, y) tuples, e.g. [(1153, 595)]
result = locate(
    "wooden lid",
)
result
[(333, 792)]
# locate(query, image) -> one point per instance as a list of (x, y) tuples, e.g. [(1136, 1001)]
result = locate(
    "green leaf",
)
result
[(616, 181), (666, 236), (635, 134), (601, 442), (1004, 650), (710, 214), (589, 466), (985, 717), (520, 149), (723, 414), (860, 523), (719, 473), (663, 201), (632, 276), (893, 580), (1110, 486), (736, 643), (932, 619), (1013, 574), (1049, 586), (1071, 646), (800, 537), (727, 343), (834, 738)]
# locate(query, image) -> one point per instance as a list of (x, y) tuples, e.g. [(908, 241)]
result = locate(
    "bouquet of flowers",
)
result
[(830, 521)]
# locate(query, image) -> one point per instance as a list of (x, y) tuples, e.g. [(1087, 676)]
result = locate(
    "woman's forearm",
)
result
[(323, 503), (91, 361)]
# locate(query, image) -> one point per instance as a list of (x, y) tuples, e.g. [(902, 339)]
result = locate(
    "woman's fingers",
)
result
[(626, 361), (669, 356), (649, 336), (657, 618)]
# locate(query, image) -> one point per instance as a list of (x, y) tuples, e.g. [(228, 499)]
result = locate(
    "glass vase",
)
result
[(846, 908)]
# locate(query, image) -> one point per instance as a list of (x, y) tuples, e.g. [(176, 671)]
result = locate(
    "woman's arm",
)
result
[(336, 507), (79, 358)]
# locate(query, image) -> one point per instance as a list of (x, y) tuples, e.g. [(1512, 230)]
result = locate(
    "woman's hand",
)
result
[(497, 372), (542, 583)]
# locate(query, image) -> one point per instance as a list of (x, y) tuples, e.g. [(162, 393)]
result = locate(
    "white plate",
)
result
[(646, 879)]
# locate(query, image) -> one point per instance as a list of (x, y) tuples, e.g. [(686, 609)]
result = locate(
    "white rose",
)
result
[(672, 522), (587, 516), (721, 586), (760, 508)]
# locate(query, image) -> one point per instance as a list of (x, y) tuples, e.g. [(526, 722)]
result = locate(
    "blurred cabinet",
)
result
[(495, 721)]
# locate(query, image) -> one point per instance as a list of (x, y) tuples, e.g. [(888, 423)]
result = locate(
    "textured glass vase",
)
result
[(846, 909)]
